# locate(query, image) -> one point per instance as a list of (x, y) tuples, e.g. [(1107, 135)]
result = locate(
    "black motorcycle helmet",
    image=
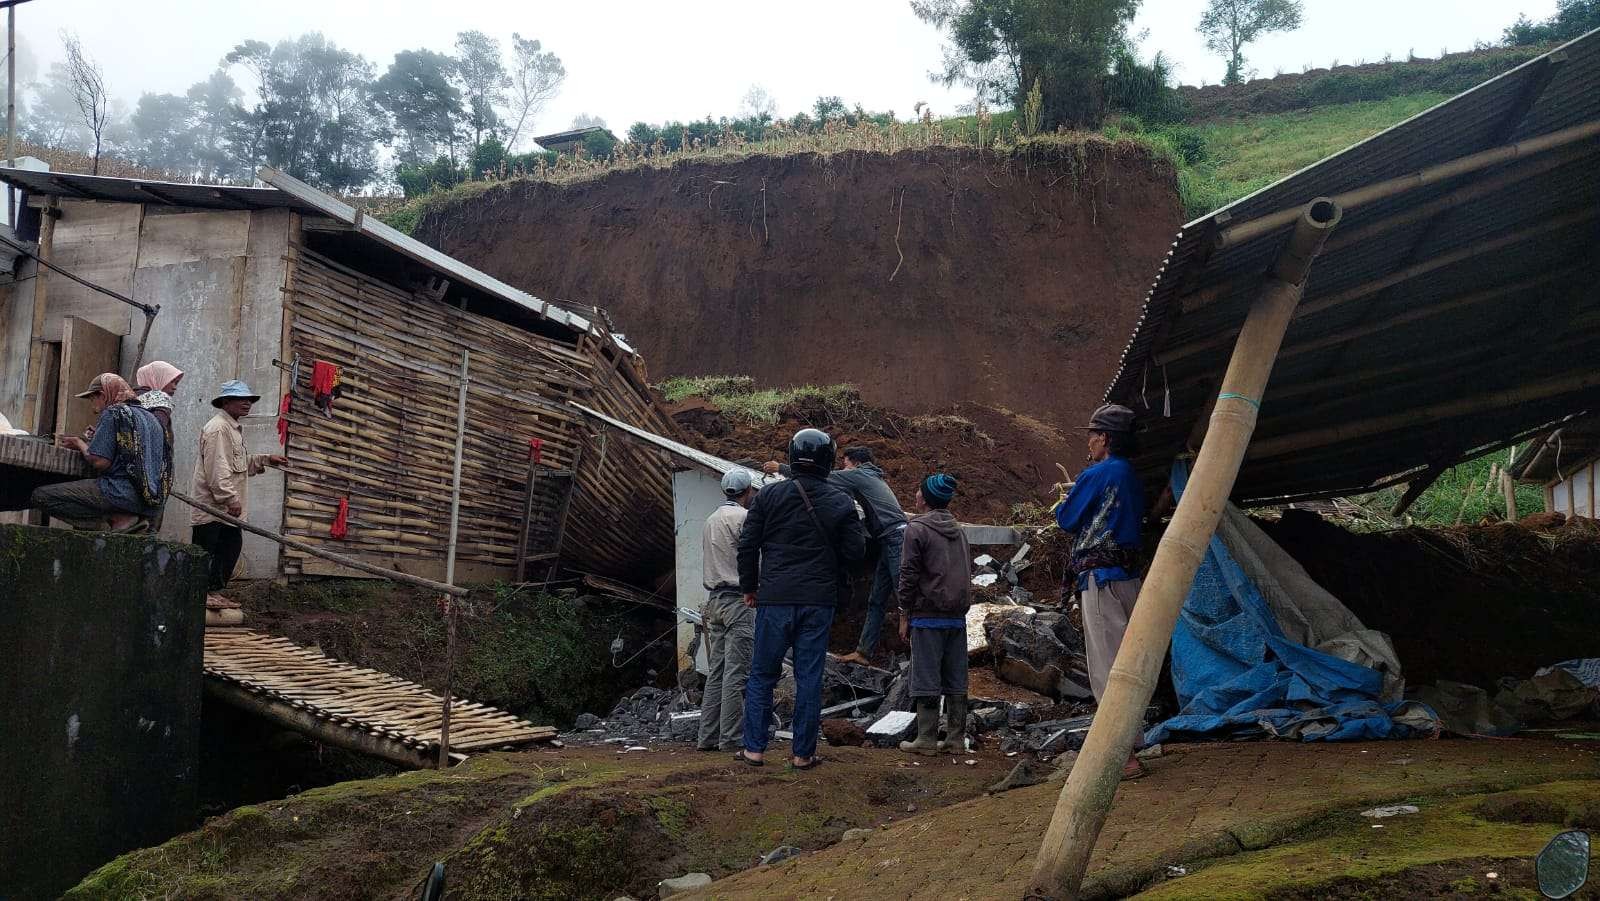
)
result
[(812, 451)]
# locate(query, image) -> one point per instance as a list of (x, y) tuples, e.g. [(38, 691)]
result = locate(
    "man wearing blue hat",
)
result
[(730, 625), (220, 471)]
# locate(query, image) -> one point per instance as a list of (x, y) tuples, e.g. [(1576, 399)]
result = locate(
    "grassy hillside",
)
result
[(1220, 162)]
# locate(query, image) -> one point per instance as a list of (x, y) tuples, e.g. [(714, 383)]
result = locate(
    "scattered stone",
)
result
[(1150, 753), (853, 834), (1041, 651), (1027, 772), (897, 696), (1392, 810), (688, 882), (683, 726), (843, 733), (780, 854)]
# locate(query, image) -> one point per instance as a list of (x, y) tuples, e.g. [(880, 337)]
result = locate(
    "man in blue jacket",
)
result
[(797, 542), (1104, 513)]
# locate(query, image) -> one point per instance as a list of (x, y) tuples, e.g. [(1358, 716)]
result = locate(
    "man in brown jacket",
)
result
[(935, 590)]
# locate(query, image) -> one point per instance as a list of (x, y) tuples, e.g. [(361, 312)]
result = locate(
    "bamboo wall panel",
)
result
[(389, 445)]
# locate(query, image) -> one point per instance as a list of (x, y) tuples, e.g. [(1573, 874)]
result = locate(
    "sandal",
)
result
[(748, 761), (815, 762), (1137, 772)]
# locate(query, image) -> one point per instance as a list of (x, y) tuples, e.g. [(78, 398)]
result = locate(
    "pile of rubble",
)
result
[(1028, 689)]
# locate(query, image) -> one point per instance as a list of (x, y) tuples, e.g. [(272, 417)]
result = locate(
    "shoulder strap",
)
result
[(811, 511)]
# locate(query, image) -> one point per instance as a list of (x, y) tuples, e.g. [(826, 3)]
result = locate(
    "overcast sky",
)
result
[(630, 60)]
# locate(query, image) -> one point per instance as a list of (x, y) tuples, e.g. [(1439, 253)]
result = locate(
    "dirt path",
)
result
[(1200, 802)]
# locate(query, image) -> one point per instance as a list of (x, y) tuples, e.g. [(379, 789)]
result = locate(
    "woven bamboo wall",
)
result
[(390, 443)]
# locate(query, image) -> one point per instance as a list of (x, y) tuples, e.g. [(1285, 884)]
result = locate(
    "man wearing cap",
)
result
[(730, 626), (219, 479), (130, 451), (1104, 513), (794, 552)]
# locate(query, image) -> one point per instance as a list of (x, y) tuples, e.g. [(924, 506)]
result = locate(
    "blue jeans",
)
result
[(884, 578), (778, 628)]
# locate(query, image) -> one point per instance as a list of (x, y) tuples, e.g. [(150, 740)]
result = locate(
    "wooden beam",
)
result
[(35, 374), (1421, 483)]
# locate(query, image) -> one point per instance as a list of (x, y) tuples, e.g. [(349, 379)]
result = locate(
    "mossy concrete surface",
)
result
[(1350, 855), (101, 645), (1200, 803), (576, 823)]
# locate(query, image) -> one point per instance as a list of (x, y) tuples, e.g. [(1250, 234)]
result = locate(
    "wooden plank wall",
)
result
[(390, 443)]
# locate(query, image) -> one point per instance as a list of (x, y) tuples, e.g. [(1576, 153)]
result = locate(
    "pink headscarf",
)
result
[(114, 389), (157, 376)]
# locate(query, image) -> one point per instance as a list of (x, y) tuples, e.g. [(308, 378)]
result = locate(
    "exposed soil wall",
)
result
[(925, 277)]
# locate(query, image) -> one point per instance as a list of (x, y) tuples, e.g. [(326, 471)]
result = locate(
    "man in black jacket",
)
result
[(797, 542)]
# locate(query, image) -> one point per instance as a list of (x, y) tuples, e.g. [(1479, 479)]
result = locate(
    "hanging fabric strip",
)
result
[(341, 520), (283, 421)]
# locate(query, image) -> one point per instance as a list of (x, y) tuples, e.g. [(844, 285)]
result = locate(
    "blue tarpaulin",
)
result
[(1238, 675)]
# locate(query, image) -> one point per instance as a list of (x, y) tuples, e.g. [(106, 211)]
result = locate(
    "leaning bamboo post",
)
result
[(30, 399), (450, 567), (1086, 799), (1509, 486)]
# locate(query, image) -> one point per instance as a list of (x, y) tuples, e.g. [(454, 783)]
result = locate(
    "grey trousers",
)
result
[(730, 640), (79, 503), (1106, 608), (938, 662)]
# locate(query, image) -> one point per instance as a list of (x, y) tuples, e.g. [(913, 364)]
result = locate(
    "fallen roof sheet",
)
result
[(676, 448), (1438, 323)]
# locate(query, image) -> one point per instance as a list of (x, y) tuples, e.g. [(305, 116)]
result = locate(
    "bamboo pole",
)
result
[(1085, 800), (450, 567), (1382, 190), (1508, 486)]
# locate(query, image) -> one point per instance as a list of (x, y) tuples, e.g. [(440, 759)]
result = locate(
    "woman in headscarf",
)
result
[(131, 452), (157, 382)]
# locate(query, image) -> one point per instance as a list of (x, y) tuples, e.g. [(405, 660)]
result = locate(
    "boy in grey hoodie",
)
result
[(935, 590)]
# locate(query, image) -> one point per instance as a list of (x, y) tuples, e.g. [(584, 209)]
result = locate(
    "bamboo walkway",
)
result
[(358, 709)]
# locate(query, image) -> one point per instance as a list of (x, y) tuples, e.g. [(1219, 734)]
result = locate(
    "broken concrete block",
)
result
[(585, 722), (683, 726), (1040, 651), (688, 882), (893, 726)]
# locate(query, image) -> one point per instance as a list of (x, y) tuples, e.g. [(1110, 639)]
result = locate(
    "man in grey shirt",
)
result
[(886, 523), (729, 624)]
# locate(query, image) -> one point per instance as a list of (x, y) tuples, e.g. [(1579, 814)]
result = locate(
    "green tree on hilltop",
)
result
[(1572, 18), (1228, 25), (1001, 47)]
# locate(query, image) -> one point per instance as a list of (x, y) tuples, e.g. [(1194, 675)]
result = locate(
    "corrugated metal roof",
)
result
[(288, 192), (135, 190), (1440, 322)]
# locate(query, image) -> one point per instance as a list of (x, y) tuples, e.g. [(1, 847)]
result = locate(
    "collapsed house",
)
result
[(288, 288)]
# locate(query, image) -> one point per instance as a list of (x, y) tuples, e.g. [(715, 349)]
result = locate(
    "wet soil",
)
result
[(926, 277)]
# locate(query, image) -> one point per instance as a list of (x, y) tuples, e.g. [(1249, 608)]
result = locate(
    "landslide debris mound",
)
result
[(924, 277), (994, 454)]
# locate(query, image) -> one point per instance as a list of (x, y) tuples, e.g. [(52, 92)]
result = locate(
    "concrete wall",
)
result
[(217, 276), (696, 493), (101, 641)]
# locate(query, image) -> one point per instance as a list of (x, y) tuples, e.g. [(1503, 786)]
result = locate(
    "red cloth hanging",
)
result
[(325, 385), (536, 449), (283, 421), (341, 520)]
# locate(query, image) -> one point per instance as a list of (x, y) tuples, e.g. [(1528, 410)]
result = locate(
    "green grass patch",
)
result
[(1466, 494), (1220, 162), (738, 397)]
